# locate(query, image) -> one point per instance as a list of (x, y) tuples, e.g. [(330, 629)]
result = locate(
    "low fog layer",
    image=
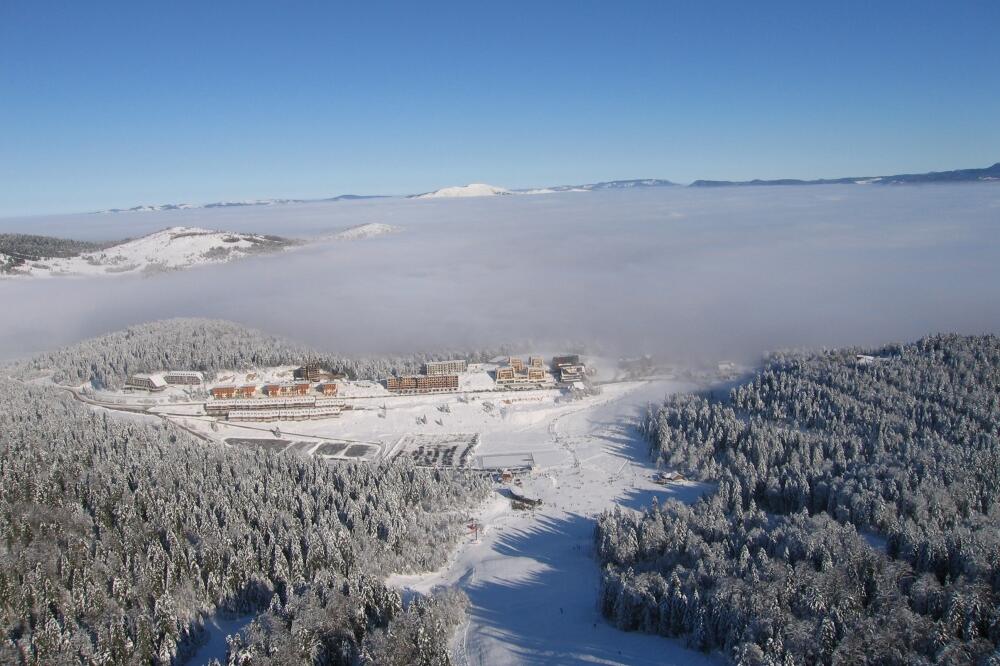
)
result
[(686, 273)]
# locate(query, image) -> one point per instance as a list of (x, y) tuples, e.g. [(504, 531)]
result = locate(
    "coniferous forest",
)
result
[(855, 516), (117, 537), (208, 345)]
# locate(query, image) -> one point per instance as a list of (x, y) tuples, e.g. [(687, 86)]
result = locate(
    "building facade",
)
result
[(422, 384), (278, 390), (454, 367), (145, 382), (560, 361), (289, 414), (184, 377), (508, 375), (223, 392)]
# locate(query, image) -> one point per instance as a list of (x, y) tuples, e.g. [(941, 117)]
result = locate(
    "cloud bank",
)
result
[(684, 273)]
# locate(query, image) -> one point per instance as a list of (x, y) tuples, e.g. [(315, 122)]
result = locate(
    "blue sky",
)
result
[(121, 103)]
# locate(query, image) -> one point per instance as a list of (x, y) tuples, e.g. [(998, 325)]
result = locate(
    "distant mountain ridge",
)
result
[(463, 191), (990, 173), (149, 208), (636, 183), (484, 190), (987, 174)]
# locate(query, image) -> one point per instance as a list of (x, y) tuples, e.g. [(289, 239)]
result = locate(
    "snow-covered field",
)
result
[(169, 249), (531, 578), (176, 248), (369, 230)]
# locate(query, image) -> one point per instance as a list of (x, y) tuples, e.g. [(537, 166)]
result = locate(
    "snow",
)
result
[(169, 249), (532, 579), (217, 628), (369, 230), (876, 541), (471, 190), (531, 576)]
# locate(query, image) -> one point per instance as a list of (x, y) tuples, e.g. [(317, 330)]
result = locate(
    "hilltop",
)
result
[(169, 249)]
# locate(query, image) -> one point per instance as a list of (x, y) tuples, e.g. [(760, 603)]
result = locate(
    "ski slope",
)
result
[(532, 579)]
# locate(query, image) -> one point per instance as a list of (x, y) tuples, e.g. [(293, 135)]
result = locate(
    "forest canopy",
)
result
[(856, 517), (118, 535)]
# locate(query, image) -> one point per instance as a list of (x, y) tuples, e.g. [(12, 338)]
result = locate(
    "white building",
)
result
[(145, 382), (291, 414), (453, 367), (184, 377)]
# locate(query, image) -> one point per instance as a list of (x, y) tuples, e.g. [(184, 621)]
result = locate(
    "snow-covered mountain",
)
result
[(484, 190), (170, 249), (369, 230), (470, 190)]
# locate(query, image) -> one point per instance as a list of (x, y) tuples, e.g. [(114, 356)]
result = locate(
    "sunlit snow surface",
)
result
[(532, 579), (719, 272)]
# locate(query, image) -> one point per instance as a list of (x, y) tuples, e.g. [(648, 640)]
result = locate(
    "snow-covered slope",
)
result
[(369, 230), (169, 249), (471, 190)]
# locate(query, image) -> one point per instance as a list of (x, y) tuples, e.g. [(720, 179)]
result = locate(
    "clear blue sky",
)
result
[(120, 103)]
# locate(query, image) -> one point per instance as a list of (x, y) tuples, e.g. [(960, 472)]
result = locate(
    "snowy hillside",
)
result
[(471, 190), (369, 230), (169, 249)]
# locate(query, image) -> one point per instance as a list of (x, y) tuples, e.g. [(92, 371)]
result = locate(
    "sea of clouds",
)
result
[(686, 273)]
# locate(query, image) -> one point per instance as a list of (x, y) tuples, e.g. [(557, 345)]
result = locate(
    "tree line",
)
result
[(210, 346)]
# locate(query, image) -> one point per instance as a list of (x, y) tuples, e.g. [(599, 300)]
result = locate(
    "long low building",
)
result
[(223, 392), (291, 414), (275, 390), (422, 384), (223, 407), (184, 377)]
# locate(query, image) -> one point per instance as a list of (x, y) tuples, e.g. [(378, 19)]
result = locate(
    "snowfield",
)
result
[(369, 230), (531, 578), (471, 190), (169, 249)]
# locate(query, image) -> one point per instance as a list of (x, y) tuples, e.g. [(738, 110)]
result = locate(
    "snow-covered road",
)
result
[(532, 580)]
